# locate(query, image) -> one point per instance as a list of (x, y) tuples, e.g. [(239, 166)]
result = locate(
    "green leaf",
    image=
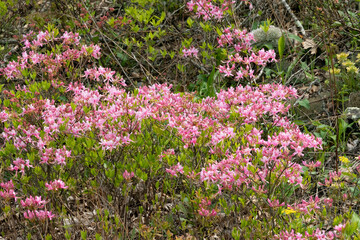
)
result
[(304, 66), (210, 83), (48, 237), (83, 235), (190, 22), (290, 68), (351, 228), (236, 234), (33, 75), (356, 218), (3, 8), (111, 21), (336, 24), (305, 103), (73, 106), (294, 37), (172, 54), (67, 235), (268, 46), (281, 46), (219, 32), (135, 29), (6, 102), (163, 53)]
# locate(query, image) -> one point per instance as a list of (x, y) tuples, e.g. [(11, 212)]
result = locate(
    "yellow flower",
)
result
[(289, 211), (348, 64), (344, 159), (342, 56), (358, 56), (335, 71), (352, 69)]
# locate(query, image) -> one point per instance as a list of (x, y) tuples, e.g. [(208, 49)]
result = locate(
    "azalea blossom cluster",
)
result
[(8, 192), (106, 74), (208, 10), (20, 164), (333, 179), (33, 202), (51, 64), (237, 64), (55, 185), (317, 234), (275, 203), (312, 165), (3, 116), (53, 156), (313, 204), (191, 52), (204, 208), (241, 57), (168, 152), (40, 215), (33, 213), (127, 176), (310, 207), (175, 169)]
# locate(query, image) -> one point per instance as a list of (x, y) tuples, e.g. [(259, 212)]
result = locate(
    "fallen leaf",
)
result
[(309, 43), (314, 89)]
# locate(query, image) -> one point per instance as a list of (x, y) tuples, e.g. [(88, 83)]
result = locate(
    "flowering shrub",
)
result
[(82, 153), (244, 131)]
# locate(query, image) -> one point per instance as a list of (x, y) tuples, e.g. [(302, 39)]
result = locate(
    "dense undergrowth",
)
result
[(150, 119)]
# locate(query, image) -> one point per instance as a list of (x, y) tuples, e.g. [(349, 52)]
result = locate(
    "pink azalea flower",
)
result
[(127, 176), (56, 185)]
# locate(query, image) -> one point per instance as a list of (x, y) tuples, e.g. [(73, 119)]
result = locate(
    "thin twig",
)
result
[(297, 22), (259, 75)]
